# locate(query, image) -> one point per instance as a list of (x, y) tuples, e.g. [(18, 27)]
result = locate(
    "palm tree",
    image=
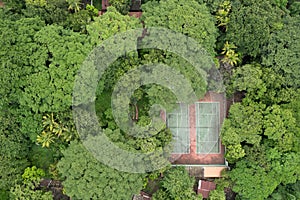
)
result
[(54, 129), (230, 56), (49, 122), (46, 138), (74, 5)]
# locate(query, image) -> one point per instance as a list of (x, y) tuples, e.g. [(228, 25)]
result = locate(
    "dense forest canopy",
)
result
[(254, 44)]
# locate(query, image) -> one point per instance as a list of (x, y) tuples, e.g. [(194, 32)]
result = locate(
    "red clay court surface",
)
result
[(193, 158)]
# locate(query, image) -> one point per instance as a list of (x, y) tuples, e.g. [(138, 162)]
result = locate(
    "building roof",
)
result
[(136, 14), (105, 4), (213, 172), (204, 188), (137, 197), (204, 193), (205, 171), (141, 196)]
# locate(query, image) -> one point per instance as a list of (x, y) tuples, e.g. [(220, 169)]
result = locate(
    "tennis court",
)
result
[(207, 127), (178, 122)]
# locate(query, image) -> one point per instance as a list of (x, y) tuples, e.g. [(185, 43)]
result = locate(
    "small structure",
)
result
[(204, 188), (142, 196), (205, 171), (104, 4), (213, 171), (135, 8)]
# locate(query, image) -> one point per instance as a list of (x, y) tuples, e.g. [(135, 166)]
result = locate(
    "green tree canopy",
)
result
[(41, 62), (283, 51), (262, 134), (251, 24), (50, 11), (294, 7), (28, 190), (261, 84), (13, 151), (186, 17), (122, 6), (176, 184), (109, 24), (283, 192), (62, 53), (87, 178)]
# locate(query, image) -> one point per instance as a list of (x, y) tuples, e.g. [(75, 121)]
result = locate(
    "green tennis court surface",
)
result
[(207, 127), (178, 122)]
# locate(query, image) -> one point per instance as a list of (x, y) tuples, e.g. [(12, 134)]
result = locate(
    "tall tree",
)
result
[(186, 17), (262, 134), (176, 184), (28, 189), (122, 6), (290, 191), (282, 52), (13, 151), (50, 11), (50, 88), (87, 178), (109, 24), (251, 23)]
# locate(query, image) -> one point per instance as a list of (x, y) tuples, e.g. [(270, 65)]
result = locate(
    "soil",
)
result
[(230, 195), (55, 187)]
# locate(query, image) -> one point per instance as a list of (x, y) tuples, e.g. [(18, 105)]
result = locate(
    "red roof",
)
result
[(204, 193), (105, 4), (136, 14), (205, 187)]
